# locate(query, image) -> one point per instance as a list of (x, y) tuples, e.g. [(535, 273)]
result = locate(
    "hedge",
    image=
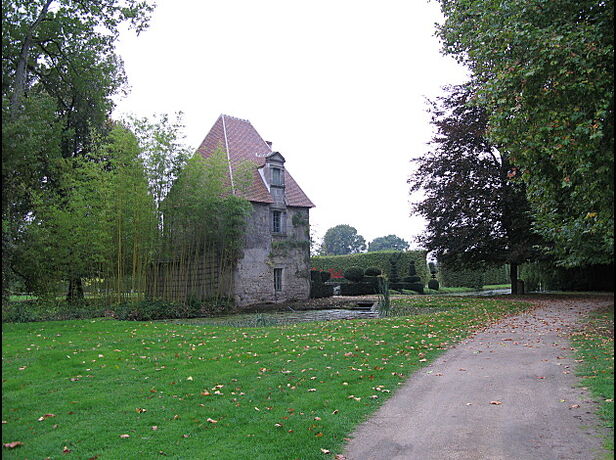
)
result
[(447, 277), (377, 259), (472, 278)]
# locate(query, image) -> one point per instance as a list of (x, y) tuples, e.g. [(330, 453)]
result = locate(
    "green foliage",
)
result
[(475, 214), (373, 259), (354, 273), (51, 310), (547, 276), (148, 310), (59, 73), (342, 239), (373, 271), (317, 287), (594, 350), (204, 225), (384, 303), (544, 72), (472, 278), (388, 243)]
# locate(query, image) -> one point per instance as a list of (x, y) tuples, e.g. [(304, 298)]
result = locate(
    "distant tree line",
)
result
[(343, 239)]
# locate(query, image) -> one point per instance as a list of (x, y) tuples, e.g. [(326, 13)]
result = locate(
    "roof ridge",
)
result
[(224, 130), (235, 118)]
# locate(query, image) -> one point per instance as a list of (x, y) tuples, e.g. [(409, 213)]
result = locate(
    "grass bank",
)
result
[(108, 389), (594, 348)]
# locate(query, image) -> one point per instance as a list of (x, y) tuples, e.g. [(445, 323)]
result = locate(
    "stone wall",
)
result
[(264, 252)]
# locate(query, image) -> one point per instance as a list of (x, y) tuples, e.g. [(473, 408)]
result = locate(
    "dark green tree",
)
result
[(342, 239), (544, 72), (476, 214), (59, 72), (388, 243)]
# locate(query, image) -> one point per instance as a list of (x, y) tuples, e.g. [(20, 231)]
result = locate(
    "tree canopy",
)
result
[(544, 73), (388, 243), (476, 215), (342, 239)]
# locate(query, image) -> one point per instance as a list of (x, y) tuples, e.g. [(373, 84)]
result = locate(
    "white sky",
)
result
[(338, 86)]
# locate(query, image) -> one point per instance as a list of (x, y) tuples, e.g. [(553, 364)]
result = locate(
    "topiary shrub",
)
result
[(317, 287), (394, 277), (433, 284), (373, 271), (360, 288), (315, 275), (417, 287), (355, 274)]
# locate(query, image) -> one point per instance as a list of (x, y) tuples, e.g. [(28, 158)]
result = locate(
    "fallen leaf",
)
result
[(124, 436), (12, 445), (211, 420), (325, 451), (154, 428), (496, 403), (66, 450), (140, 410)]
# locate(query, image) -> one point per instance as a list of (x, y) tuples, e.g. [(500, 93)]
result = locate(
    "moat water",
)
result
[(279, 318)]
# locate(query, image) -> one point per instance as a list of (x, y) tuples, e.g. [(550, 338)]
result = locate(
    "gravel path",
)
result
[(508, 392)]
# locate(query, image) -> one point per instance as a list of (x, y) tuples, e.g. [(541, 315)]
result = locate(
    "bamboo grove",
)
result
[(136, 218)]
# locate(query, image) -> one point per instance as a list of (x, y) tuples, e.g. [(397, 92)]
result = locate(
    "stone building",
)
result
[(275, 262)]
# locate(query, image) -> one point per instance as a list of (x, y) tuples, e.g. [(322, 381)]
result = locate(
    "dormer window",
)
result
[(277, 176)]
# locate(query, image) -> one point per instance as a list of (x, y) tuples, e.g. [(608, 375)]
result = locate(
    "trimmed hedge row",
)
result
[(470, 278), (377, 259), (447, 277)]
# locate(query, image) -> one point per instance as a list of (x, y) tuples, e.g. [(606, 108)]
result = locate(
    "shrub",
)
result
[(379, 259), (50, 310), (417, 287), (433, 284), (358, 288), (317, 287), (373, 271), (354, 274), (315, 275)]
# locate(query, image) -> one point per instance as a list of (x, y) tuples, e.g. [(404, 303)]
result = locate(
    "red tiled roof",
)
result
[(241, 142)]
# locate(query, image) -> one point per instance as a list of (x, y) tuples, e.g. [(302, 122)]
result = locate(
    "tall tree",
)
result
[(342, 239), (387, 243), (544, 71), (476, 215), (59, 71)]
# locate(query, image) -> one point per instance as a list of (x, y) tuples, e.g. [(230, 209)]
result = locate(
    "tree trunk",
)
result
[(513, 275), (22, 63), (75, 291)]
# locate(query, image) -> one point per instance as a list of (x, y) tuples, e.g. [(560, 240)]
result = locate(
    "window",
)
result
[(276, 176), (277, 221), (277, 279), (278, 195)]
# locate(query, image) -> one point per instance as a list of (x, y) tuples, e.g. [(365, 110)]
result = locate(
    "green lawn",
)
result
[(594, 348), (107, 389)]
